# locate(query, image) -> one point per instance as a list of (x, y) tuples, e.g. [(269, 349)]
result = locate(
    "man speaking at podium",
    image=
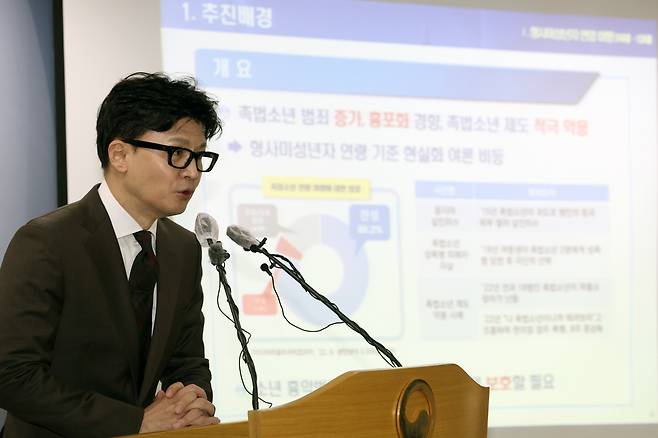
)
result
[(100, 301)]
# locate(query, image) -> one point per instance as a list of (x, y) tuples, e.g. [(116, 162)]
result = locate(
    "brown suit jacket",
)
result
[(68, 337)]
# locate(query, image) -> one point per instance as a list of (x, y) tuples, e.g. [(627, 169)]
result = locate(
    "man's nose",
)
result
[(191, 170)]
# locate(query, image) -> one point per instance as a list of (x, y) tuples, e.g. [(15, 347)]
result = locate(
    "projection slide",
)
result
[(471, 186)]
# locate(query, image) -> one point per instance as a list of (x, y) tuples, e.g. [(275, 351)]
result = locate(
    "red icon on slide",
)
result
[(265, 303)]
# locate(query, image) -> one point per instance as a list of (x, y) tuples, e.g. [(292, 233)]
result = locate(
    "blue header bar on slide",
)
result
[(510, 192), (417, 24), (315, 74)]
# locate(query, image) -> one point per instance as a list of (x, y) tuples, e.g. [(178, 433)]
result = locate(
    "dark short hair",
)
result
[(152, 102)]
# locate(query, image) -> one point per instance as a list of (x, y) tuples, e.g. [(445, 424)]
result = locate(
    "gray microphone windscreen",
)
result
[(205, 227), (241, 236)]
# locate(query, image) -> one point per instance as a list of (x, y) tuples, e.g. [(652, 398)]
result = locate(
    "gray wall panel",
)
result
[(28, 178)]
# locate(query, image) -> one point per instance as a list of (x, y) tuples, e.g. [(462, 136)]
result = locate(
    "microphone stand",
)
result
[(275, 262), (218, 257)]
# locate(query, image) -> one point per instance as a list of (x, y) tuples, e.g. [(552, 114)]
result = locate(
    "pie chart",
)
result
[(310, 231)]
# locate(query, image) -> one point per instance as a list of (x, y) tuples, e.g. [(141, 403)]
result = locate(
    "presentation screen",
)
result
[(471, 186)]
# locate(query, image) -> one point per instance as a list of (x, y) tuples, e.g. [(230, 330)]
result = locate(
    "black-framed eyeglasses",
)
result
[(179, 157)]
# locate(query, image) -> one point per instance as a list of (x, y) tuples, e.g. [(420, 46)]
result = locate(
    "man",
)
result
[(100, 300)]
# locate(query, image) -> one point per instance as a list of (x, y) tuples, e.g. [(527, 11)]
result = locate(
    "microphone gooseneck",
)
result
[(207, 231), (248, 242), (246, 356)]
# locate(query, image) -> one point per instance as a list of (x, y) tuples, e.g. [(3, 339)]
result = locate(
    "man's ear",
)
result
[(117, 152)]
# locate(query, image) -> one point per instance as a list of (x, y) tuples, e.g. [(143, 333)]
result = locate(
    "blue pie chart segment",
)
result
[(325, 230)]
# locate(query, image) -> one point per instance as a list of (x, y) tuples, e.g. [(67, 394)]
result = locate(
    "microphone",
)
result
[(242, 237), (248, 242), (207, 232), (206, 229)]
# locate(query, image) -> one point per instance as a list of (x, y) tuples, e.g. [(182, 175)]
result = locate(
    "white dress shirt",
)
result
[(124, 226)]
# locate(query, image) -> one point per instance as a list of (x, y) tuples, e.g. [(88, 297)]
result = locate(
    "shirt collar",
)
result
[(122, 222)]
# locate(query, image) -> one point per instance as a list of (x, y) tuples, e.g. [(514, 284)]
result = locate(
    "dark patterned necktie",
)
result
[(143, 276)]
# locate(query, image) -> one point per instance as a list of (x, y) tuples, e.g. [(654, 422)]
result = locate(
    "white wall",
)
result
[(93, 65)]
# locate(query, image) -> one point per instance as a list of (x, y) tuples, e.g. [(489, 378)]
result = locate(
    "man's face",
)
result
[(154, 188)]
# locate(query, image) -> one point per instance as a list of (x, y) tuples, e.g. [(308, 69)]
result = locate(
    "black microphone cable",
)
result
[(218, 257), (277, 260), (267, 270), (248, 242)]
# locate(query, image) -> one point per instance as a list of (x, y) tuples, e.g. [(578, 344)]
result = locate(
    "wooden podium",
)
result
[(439, 401)]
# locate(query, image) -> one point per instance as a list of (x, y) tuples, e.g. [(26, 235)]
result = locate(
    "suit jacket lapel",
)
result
[(104, 252), (168, 281)]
